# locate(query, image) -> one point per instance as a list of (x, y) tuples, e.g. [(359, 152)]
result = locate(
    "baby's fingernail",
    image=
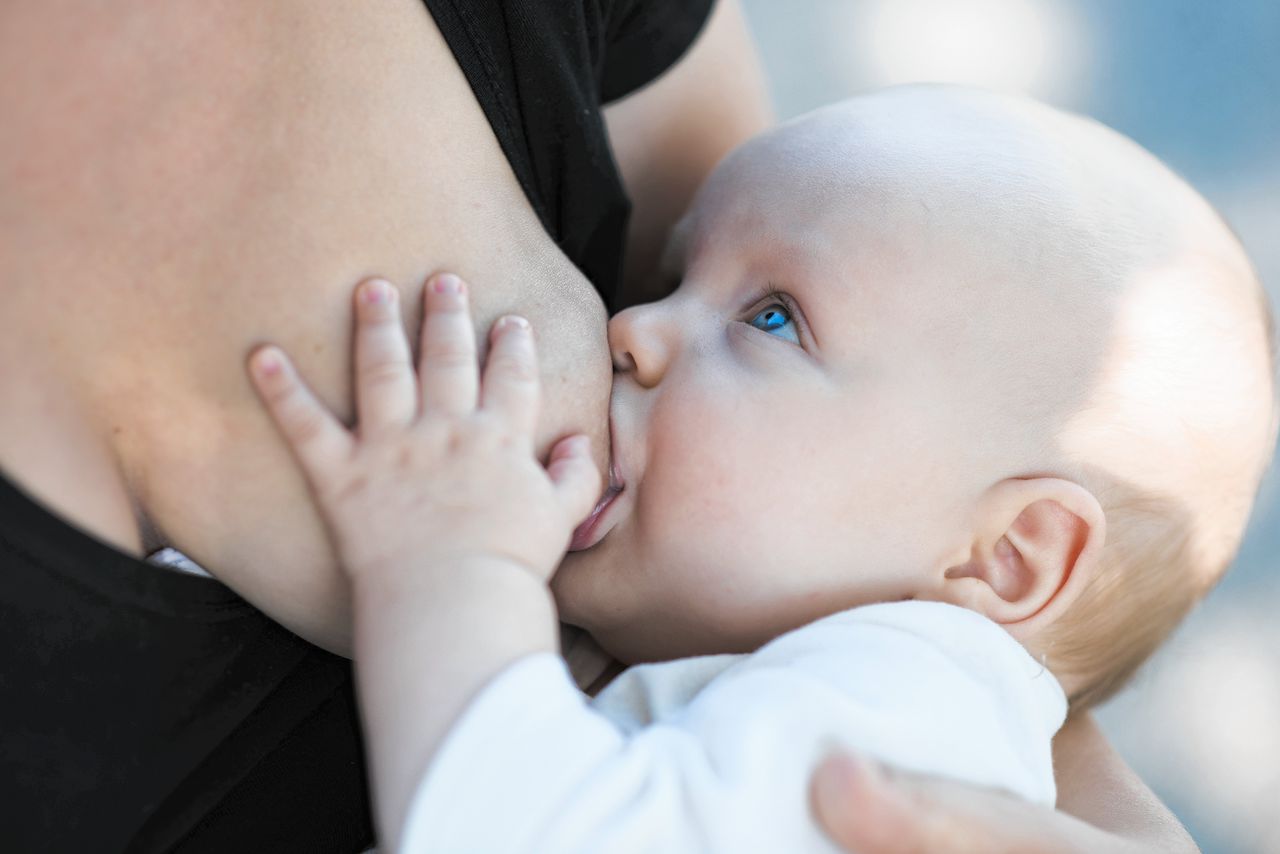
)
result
[(448, 283), (267, 362), (570, 446), (377, 292), (510, 322)]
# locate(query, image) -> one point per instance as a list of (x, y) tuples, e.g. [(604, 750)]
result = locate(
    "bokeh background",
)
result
[(1197, 83)]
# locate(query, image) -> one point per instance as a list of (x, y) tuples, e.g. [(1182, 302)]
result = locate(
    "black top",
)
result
[(144, 709), (541, 70)]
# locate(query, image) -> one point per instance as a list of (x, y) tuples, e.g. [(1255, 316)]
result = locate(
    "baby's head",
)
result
[(943, 345)]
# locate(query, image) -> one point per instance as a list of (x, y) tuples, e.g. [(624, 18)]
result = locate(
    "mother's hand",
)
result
[(869, 809)]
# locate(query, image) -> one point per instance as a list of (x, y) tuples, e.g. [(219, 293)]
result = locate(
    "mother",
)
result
[(180, 180)]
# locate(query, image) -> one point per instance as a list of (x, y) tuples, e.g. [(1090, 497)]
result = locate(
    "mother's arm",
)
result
[(1104, 808), (1096, 785), (669, 135)]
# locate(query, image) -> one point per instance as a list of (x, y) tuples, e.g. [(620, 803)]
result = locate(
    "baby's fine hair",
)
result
[(1152, 571)]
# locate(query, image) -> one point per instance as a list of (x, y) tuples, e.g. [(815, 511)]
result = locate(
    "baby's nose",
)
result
[(642, 341)]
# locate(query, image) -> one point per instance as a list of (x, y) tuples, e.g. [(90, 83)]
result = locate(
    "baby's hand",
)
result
[(440, 470)]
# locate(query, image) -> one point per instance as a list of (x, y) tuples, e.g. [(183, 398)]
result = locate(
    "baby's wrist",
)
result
[(453, 583), (411, 571)]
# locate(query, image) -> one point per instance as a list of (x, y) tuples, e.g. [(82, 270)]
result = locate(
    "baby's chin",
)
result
[(571, 588), (586, 599)]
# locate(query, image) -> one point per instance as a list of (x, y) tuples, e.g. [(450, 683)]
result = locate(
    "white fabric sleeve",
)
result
[(531, 767)]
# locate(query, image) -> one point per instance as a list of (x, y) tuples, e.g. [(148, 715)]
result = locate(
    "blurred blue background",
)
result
[(1197, 83)]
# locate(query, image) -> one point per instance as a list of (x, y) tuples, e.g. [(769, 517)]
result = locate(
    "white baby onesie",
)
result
[(714, 754)]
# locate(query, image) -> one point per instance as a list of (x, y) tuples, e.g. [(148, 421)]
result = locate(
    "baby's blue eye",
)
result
[(776, 320)]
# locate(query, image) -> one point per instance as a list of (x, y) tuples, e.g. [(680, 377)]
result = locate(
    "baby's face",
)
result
[(799, 428)]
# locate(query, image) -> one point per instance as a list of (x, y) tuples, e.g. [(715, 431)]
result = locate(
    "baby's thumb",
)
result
[(576, 478)]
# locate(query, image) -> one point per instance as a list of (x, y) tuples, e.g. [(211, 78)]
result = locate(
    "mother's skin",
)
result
[(193, 177), (179, 181)]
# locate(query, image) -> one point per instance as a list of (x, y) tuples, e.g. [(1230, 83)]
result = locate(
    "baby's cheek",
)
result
[(688, 478), (710, 491)]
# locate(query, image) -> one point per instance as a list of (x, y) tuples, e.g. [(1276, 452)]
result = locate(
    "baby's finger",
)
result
[(511, 374), (385, 391), (312, 433), (448, 368), (576, 478)]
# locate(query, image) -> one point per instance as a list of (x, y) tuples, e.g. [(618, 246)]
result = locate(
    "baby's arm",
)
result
[(444, 521)]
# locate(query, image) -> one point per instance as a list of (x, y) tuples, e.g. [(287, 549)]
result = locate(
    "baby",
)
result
[(961, 404)]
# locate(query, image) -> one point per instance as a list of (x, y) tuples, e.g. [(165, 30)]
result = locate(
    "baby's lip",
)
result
[(586, 535), (616, 481)]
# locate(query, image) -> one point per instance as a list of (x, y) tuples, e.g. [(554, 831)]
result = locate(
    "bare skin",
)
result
[(872, 809), (192, 179), (126, 411)]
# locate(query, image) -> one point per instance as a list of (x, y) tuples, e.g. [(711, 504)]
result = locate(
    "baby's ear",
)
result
[(1036, 546)]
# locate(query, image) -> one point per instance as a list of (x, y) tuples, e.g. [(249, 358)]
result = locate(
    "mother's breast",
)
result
[(192, 179)]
